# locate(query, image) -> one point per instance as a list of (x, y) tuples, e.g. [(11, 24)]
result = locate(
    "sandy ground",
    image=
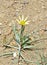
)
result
[(37, 12)]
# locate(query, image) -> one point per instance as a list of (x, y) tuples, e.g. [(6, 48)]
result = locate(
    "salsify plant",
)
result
[(23, 41)]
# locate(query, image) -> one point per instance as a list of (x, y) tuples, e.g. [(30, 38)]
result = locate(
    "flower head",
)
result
[(22, 21)]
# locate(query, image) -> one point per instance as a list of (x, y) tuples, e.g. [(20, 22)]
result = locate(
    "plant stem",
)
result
[(25, 59), (10, 46), (21, 33), (10, 53), (22, 29), (19, 54)]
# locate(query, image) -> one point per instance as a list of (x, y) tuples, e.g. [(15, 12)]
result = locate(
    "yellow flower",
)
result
[(22, 21)]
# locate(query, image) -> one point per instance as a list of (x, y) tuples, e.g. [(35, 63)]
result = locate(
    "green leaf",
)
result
[(26, 44), (26, 40), (46, 64), (38, 63), (28, 47), (16, 34), (17, 38)]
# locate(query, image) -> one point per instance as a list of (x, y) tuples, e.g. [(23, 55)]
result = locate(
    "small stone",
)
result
[(10, 24), (19, 63), (14, 54), (16, 1), (42, 0), (0, 32), (42, 6), (0, 24), (25, 2), (6, 22), (17, 10)]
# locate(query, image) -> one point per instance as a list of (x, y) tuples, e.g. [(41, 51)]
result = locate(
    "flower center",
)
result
[(22, 22)]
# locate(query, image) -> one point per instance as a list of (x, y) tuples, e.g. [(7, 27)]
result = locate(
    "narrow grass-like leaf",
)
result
[(26, 40), (28, 47), (16, 35), (6, 54), (17, 38), (38, 63)]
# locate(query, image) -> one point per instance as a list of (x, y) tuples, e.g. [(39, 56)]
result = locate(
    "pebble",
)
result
[(0, 24), (25, 2), (43, 7), (16, 1), (14, 54), (17, 10), (0, 32), (42, 0), (19, 63), (10, 24)]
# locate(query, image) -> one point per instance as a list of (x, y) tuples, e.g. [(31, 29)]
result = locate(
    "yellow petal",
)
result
[(26, 18), (26, 23), (22, 21), (19, 18), (22, 17)]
